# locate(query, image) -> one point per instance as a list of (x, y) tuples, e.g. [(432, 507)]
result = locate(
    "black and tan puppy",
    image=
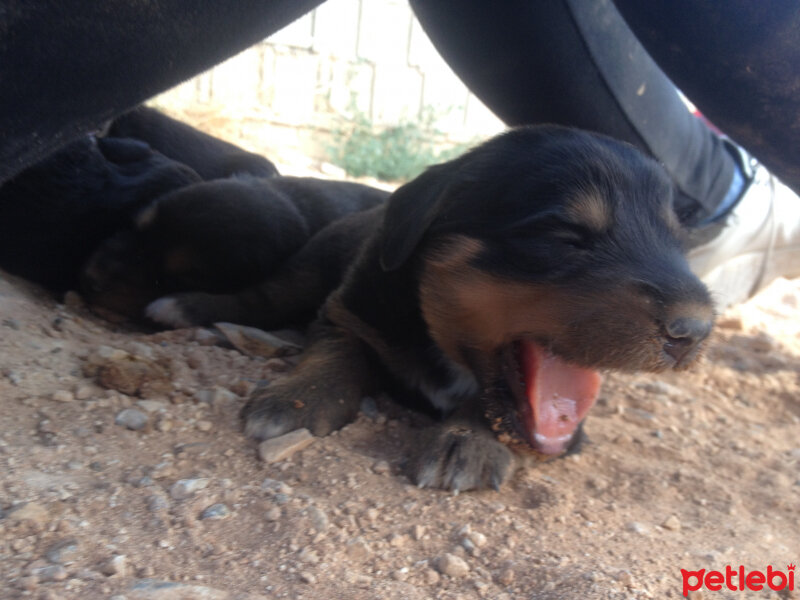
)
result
[(494, 286), (215, 236)]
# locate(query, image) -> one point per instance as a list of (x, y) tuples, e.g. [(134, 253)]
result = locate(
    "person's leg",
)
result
[(738, 63), (576, 63), (67, 67)]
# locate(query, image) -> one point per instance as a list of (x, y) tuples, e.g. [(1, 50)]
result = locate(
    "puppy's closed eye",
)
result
[(575, 236)]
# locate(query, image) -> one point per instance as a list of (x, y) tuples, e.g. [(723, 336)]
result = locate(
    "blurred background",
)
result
[(330, 95)]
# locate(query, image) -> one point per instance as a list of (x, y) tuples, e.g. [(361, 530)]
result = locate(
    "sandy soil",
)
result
[(692, 470)]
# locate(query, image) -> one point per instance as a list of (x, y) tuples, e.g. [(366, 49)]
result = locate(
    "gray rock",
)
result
[(157, 503), (131, 418), (63, 552), (215, 396), (51, 573), (117, 565), (275, 486), (183, 488), (319, 520), (215, 512)]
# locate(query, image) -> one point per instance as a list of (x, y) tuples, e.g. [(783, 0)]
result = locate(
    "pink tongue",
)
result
[(559, 395)]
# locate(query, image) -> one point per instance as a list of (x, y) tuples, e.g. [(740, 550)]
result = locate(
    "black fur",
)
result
[(210, 157), (548, 234), (216, 237), (54, 214)]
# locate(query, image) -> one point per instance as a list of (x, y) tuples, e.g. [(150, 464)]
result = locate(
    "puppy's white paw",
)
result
[(167, 311)]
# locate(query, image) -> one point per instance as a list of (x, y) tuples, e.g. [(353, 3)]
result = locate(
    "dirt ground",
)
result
[(693, 470), (124, 475)]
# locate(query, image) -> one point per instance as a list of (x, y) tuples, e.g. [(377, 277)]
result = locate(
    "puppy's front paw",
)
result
[(183, 310), (459, 458), (291, 404)]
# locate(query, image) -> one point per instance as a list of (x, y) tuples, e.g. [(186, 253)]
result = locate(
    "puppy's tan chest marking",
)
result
[(408, 365)]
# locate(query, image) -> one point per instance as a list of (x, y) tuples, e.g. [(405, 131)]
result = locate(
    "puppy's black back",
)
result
[(210, 157)]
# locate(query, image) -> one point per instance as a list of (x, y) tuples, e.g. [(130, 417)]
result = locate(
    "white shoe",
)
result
[(759, 242)]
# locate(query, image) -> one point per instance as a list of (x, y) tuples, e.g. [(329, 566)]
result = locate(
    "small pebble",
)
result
[(157, 503), (626, 579), (51, 573), (357, 549), (29, 583), (506, 577), (430, 577), (397, 540), (381, 467), (214, 397), (30, 511), (452, 565), (63, 552), (319, 520), (118, 565), (637, 527), (284, 446), (183, 488), (273, 514), (215, 512), (84, 392), (308, 578), (132, 419), (672, 523), (151, 406), (63, 396), (307, 555), (204, 425), (206, 337), (275, 486)]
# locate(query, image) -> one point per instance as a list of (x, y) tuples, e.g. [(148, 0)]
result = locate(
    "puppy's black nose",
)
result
[(683, 335)]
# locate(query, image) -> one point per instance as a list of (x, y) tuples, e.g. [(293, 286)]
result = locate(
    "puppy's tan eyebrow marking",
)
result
[(590, 209)]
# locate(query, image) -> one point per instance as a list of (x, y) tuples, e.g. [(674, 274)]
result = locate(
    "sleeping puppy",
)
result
[(494, 287), (215, 236), (210, 157), (55, 213)]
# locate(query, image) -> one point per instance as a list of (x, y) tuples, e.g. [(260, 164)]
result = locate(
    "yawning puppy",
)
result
[(494, 286)]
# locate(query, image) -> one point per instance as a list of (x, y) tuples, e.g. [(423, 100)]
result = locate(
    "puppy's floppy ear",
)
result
[(410, 211)]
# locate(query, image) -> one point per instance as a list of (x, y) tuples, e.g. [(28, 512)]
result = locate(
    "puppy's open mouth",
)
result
[(552, 396)]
